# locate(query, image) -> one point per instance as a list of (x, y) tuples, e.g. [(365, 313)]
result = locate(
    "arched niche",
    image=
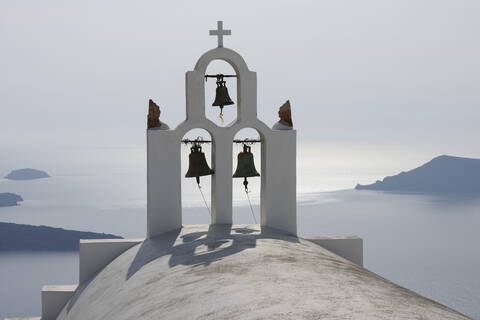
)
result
[(230, 112), (196, 204), (246, 87), (242, 212)]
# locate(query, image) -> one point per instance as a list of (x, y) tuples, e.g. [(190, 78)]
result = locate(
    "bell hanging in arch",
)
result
[(197, 164), (221, 95), (245, 166)]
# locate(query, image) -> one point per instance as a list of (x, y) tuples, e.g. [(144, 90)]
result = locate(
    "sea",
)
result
[(425, 242)]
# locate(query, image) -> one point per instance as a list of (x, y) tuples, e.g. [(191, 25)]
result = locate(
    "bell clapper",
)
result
[(221, 114), (245, 183)]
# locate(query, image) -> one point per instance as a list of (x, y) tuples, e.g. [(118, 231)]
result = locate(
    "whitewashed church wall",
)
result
[(279, 202), (347, 247), (164, 203), (95, 254), (54, 298)]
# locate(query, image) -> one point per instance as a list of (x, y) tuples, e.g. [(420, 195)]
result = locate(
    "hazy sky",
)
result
[(368, 72)]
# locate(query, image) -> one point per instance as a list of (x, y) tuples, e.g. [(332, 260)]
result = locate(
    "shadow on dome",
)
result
[(203, 247)]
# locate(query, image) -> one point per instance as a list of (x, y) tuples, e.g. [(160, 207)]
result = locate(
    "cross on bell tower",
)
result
[(220, 32)]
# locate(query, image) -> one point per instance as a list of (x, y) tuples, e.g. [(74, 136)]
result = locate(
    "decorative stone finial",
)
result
[(154, 116), (285, 114)]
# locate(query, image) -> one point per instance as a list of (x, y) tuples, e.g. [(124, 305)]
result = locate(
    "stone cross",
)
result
[(220, 32)]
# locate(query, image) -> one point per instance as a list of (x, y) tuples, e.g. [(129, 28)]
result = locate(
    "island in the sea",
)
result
[(22, 237), (443, 174), (8, 199), (26, 174)]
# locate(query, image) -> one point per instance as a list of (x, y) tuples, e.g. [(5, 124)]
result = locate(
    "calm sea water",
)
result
[(426, 243)]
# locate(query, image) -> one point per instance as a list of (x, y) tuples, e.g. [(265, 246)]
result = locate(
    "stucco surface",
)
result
[(239, 272)]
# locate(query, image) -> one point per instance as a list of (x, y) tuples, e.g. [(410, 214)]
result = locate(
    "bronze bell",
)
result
[(197, 166), (245, 166), (221, 96)]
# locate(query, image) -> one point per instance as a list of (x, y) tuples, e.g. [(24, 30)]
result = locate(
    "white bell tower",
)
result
[(278, 148)]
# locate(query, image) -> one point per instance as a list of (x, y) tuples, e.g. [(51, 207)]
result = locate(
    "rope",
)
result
[(205, 201), (253, 214)]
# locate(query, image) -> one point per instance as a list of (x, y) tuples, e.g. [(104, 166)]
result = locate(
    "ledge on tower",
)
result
[(94, 255), (347, 247), (54, 299)]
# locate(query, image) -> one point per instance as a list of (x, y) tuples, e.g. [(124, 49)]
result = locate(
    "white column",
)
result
[(164, 204), (247, 96), (195, 96), (222, 179), (279, 203)]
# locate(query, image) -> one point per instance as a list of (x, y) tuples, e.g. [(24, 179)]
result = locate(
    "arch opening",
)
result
[(244, 203), (196, 202), (229, 111)]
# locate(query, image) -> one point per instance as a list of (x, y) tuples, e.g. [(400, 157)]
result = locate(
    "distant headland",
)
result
[(9, 199), (26, 174), (23, 237), (443, 174)]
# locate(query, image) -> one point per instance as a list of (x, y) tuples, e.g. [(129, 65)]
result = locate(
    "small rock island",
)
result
[(26, 174), (443, 174), (23, 237), (9, 199)]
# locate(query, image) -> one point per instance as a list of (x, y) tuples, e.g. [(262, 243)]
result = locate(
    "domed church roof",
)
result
[(240, 272)]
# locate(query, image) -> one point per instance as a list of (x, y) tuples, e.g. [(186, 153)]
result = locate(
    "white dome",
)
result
[(241, 273)]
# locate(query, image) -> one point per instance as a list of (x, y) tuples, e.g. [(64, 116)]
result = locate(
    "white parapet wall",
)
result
[(94, 255), (347, 247), (54, 299)]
